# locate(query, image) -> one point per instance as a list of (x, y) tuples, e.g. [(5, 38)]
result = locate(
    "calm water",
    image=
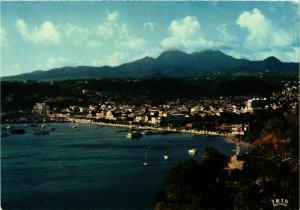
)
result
[(95, 167)]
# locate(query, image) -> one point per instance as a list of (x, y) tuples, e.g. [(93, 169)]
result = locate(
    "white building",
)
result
[(83, 109), (41, 108), (249, 107)]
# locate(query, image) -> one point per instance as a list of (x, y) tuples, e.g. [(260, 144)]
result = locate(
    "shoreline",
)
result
[(231, 140), (227, 138)]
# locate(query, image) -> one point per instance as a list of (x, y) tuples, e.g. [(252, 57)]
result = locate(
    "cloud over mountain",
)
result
[(185, 34), (128, 31)]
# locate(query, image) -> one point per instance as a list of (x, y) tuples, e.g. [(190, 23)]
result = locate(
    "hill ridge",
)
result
[(170, 63)]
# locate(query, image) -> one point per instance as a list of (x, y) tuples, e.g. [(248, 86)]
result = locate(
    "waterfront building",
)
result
[(41, 108), (248, 107), (139, 118), (175, 117), (83, 109)]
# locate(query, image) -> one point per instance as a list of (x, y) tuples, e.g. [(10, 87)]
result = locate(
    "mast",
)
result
[(146, 157), (248, 138)]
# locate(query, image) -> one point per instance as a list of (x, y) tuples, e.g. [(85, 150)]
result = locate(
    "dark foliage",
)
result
[(271, 171), (17, 95)]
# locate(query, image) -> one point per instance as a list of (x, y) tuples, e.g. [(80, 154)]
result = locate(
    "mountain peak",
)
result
[(174, 58), (272, 59), (172, 52), (145, 59)]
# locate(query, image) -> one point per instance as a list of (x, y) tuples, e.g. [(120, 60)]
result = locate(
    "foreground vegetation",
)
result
[(270, 172)]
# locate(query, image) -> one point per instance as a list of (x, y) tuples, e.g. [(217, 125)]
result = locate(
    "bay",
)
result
[(90, 167)]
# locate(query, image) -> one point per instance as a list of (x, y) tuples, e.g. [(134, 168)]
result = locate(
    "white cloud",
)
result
[(117, 33), (14, 69), (238, 54), (55, 63), (114, 59), (94, 44), (112, 16), (185, 34), (296, 3), (117, 58), (4, 40), (131, 43), (224, 34), (186, 27), (76, 34), (262, 33), (45, 34), (108, 28), (105, 30), (153, 52), (149, 25)]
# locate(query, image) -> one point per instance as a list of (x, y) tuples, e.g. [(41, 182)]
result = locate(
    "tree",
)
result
[(197, 185)]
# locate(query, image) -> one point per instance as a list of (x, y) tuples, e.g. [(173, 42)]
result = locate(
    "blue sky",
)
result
[(45, 35)]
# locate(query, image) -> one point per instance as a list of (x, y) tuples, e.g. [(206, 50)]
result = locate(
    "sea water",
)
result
[(91, 167)]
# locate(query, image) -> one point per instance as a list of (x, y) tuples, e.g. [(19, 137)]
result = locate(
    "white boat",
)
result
[(192, 151), (166, 156), (134, 134), (7, 127), (146, 163)]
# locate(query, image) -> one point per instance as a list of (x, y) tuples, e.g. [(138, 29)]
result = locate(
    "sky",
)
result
[(43, 35)]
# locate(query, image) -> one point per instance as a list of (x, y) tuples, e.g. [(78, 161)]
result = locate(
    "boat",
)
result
[(17, 131), (166, 157), (7, 127), (148, 132), (134, 134), (146, 163), (192, 151), (40, 131)]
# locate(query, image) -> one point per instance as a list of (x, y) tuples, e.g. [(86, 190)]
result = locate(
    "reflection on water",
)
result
[(89, 168)]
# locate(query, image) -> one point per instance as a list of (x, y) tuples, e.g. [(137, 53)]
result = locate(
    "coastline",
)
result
[(232, 140), (227, 138)]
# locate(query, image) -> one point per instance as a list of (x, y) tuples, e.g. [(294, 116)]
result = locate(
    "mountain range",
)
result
[(172, 63)]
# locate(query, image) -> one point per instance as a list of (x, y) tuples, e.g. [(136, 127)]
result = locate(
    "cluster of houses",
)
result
[(170, 113), (173, 112), (126, 113)]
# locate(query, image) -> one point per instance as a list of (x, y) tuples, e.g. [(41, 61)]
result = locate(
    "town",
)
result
[(204, 116)]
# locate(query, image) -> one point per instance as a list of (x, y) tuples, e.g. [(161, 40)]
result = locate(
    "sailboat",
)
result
[(166, 156), (145, 163)]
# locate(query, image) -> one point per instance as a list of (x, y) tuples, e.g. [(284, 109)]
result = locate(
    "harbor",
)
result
[(101, 167)]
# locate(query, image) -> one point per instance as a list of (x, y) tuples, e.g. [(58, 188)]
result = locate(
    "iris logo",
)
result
[(280, 202)]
